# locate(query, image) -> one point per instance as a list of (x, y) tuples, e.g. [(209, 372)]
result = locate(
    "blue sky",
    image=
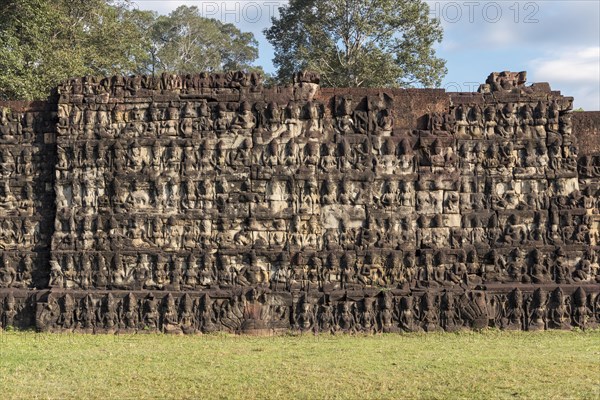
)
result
[(556, 41)]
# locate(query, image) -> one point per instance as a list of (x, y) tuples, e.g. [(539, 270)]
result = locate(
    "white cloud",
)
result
[(515, 24), (575, 66), (162, 7), (499, 35), (576, 72)]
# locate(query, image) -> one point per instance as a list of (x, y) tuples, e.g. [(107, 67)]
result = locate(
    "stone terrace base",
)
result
[(261, 311), (207, 203)]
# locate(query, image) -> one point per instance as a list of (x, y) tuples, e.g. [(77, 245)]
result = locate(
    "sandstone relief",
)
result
[(205, 203)]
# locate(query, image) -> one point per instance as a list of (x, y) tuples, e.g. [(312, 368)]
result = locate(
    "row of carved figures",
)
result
[(135, 156), (298, 271), (125, 86), (172, 120), (16, 272), (17, 163), (18, 200), (153, 231), (509, 120), (294, 120), (17, 127), (254, 310), (143, 195)]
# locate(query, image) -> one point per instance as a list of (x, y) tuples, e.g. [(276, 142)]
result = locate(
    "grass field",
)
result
[(492, 364)]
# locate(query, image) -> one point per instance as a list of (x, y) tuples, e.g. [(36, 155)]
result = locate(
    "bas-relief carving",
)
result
[(300, 213), (26, 196)]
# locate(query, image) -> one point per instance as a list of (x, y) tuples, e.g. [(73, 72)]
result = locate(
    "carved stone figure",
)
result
[(256, 210)]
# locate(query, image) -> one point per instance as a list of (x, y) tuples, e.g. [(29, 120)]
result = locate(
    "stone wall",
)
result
[(587, 126), (209, 203), (26, 192)]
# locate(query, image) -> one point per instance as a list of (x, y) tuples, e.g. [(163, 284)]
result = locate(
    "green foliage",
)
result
[(358, 42), (465, 365), (186, 42), (44, 42)]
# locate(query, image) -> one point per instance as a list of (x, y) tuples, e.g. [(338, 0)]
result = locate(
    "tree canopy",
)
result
[(44, 42), (186, 42), (358, 42)]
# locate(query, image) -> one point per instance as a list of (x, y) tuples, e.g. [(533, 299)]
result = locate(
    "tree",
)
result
[(186, 42), (358, 42), (44, 42)]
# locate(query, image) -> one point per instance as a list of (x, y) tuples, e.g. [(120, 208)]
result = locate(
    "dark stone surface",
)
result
[(586, 124), (206, 203)]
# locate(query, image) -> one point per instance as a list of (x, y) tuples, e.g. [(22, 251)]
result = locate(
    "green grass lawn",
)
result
[(492, 364)]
